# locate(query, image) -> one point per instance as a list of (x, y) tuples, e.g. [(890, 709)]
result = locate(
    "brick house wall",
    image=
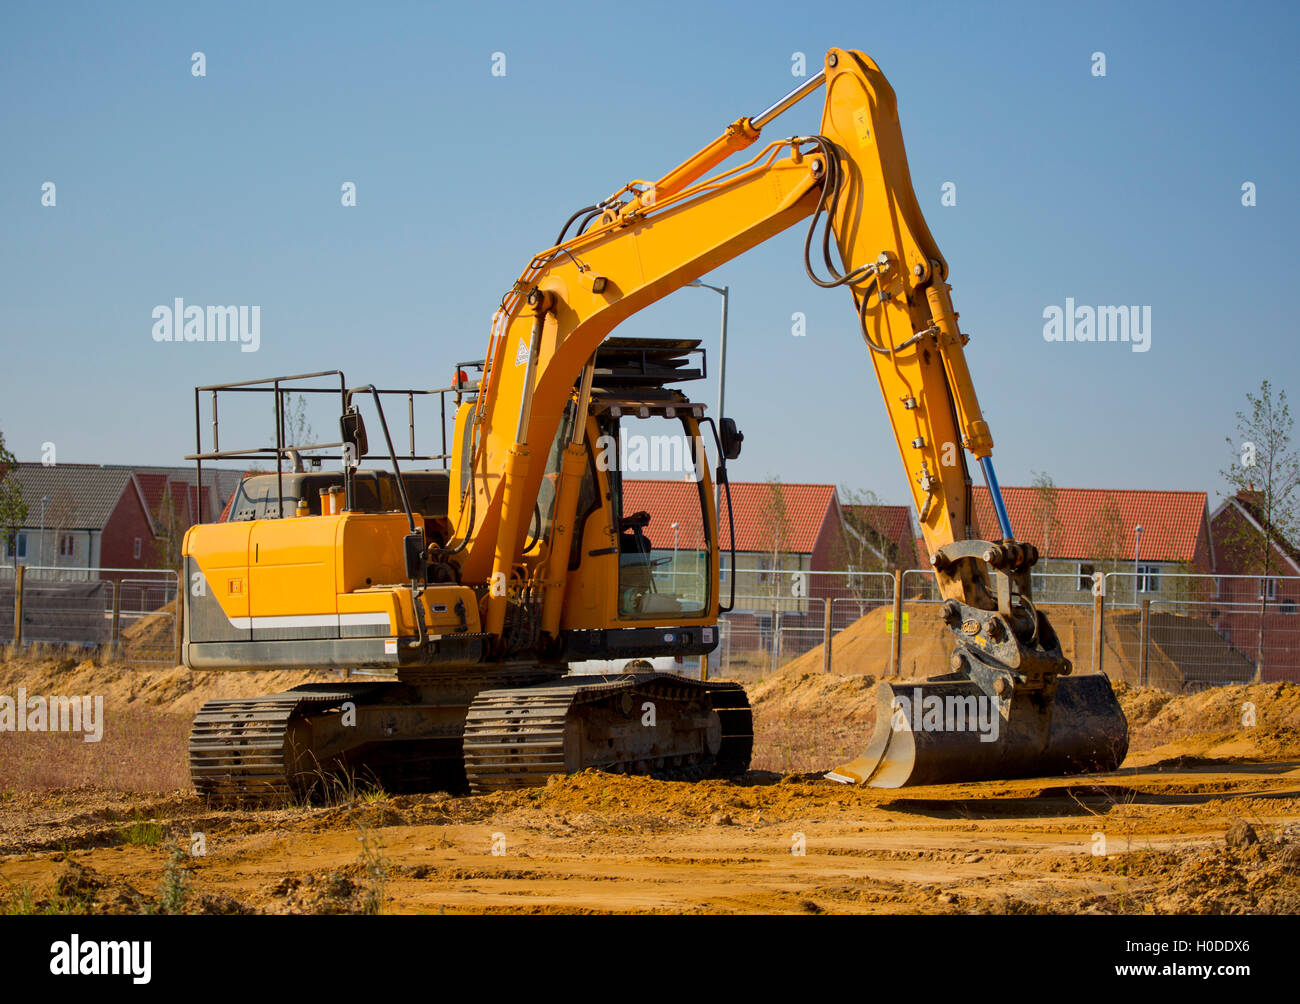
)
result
[(1237, 607), (128, 523)]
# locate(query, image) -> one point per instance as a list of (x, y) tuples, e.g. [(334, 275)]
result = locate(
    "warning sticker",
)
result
[(862, 123)]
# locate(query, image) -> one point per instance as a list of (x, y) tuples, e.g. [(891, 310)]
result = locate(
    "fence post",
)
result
[(1144, 640), (827, 603), (19, 572), (1098, 614), (896, 639), (114, 639), (179, 620)]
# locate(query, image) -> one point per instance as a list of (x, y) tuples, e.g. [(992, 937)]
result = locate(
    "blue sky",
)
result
[(225, 189)]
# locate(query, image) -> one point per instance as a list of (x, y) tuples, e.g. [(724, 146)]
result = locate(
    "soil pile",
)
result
[(153, 634), (1182, 650), (173, 689)]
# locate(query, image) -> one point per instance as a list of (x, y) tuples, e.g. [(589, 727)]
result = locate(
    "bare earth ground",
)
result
[(88, 827)]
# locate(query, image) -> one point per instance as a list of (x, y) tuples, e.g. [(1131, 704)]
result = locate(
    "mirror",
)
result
[(413, 546), (732, 438), (354, 435)]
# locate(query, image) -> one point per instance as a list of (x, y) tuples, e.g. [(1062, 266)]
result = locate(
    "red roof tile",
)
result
[(1171, 521), (152, 487), (807, 508)]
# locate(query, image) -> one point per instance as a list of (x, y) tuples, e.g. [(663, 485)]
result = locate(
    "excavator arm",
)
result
[(851, 182), (651, 239)]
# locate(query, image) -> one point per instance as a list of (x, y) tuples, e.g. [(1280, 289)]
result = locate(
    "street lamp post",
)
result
[(725, 293), (674, 572), (1137, 552), (44, 502)]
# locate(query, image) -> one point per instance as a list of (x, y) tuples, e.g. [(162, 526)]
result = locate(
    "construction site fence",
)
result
[(124, 614), (1174, 631)]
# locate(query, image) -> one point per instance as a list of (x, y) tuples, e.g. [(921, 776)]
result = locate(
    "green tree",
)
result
[(867, 546), (1265, 471), (297, 430), (775, 522), (13, 511), (1046, 507), (165, 548), (1107, 533)]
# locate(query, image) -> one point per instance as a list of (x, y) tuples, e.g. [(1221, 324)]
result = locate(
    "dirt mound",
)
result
[(1262, 876), (792, 690), (1253, 710), (155, 632), (171, 689), (1140, 704), (1183, 650), (804, 720)]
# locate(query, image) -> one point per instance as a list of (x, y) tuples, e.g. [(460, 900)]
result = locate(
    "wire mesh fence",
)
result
[(127, 614), (1172, 630), (1188, 632)]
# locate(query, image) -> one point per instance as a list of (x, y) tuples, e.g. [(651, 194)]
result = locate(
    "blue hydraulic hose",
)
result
[(995, 493)]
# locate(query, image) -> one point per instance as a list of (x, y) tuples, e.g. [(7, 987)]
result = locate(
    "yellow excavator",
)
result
[(478, 585)]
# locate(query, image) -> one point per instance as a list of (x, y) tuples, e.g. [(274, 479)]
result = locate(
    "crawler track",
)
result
[(518, 737), (239, 748)]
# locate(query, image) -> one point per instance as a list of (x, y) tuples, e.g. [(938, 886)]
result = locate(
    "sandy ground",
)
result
[(78, 834)]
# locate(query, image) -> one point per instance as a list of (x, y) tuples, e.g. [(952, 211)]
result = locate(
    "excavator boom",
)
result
[(851, 179)]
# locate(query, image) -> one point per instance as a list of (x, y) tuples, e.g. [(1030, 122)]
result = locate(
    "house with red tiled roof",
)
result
[(781, 529), (1258, 615), (79, 517), (1143, 535), (105, 516)]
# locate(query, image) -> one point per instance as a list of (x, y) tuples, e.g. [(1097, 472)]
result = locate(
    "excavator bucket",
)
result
[(950, 729)]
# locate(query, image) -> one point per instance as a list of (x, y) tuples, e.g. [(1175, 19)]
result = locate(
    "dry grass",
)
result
[(141, 750)]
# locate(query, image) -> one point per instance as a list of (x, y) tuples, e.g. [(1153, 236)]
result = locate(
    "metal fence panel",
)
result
[(124, 613), (1188, 632)]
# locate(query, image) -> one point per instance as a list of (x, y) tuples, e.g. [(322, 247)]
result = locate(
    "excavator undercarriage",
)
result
[(316, 737)]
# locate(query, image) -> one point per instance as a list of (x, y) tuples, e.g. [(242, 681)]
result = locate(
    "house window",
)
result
[(1268, 588), (722, 567), (764, 567), (1085, 577), (135, 551), (67, 545), (1148, 578), (16, 545), (1288, 606)]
